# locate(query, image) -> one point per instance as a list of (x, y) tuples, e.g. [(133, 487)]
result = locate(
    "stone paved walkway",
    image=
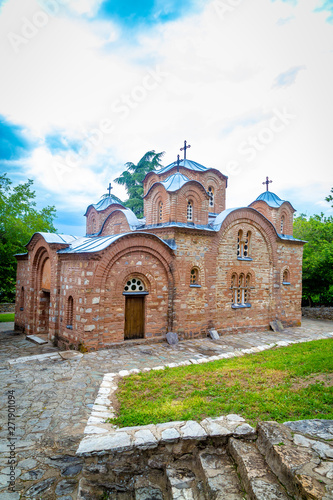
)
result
[(54, 397)]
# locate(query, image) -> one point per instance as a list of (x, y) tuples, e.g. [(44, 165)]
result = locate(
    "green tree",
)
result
[(132, 179), (317, 230), (329, 198), (19, 220)]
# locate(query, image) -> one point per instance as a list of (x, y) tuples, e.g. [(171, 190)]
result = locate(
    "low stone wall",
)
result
[(7, 308), (318, 312)]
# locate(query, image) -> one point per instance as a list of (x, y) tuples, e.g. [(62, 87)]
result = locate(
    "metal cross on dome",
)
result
[(178, 162), (110, 188), (185, 148), (267, 181)]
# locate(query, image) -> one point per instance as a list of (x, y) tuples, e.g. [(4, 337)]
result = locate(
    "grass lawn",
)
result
[(6, 317), (290, 383)]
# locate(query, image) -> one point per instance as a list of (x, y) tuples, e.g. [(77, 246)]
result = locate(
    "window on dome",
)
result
[(160, 211), (93, 226), (211, 196), (189, 211), (282, 224)]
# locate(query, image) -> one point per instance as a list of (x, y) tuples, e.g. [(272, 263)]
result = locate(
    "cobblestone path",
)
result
[(54, 397)]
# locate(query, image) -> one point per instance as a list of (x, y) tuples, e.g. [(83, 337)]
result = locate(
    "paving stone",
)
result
[(70, 355), (170, 435), (40, 487), (323, 450)]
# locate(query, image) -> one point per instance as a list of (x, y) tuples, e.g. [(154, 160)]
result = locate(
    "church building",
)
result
[(190, 265)]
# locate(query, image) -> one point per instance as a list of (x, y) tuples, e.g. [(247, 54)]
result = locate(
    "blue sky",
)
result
[(92, 84)]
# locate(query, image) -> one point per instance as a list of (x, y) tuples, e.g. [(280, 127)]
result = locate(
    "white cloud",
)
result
[(216, 75)]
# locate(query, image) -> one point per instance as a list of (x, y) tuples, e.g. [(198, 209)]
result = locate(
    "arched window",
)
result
[(22, 299), (189, 211), (160, 211), (234, 288), (240, 289), (93, 226), (286, 277), (211, 196), (243, 245), (240, 244), (134, 285), (194, 276), (282, 224), (70, 312)]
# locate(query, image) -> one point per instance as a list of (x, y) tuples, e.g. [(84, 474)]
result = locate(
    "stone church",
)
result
[(188, 266)]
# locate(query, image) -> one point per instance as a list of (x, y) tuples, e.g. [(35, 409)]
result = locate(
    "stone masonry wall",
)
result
[(7, 307)]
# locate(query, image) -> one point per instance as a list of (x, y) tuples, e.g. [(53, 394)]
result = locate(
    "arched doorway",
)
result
[(135, 293)]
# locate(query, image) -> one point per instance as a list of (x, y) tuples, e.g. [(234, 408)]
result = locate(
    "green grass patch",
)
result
[(7, 317), (290, 383)]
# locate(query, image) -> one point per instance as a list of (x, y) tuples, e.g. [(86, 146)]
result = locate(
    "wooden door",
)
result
[(134, 317)]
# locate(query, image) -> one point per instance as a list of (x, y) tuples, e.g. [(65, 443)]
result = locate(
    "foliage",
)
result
[(19, 220), (7, 317), (317, 257), (133, 177), (289, 383), (329, 198)]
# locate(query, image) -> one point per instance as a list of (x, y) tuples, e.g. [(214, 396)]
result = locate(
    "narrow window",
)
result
[(211, 196), (189, 211), (93, 226), (286, 277), (246, 245), (240, 244), (282, 224), (234, 288), (241, 291), (247, 289), (70, 310), (22, 299), (194, 277), (160, 211)]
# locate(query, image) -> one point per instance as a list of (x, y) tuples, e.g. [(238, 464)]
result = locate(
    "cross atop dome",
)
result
[(185, 148), (109, 188), (267, 182)]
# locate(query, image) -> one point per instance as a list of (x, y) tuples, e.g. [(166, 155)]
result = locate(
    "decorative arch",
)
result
[(285, 275), (258, 221)]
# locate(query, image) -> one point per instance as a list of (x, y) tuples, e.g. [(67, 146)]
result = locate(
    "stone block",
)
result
[(172, 338), (213, 334)]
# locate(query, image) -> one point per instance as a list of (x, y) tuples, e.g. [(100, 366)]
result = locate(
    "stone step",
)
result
[(258, 480), (220, 477), (36, 340), (183, 483), (297, 467)]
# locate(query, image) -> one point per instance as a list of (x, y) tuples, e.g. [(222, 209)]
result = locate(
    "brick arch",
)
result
[(252, 216), (40, 256), (285, 268), (146, 243), (108, 223), (241, 270), (132, 271), (158, 195), (201, 269)]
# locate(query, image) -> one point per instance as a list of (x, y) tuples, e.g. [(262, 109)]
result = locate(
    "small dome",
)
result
[(271, 199), (191, 165), (175, 182), (104, 203)]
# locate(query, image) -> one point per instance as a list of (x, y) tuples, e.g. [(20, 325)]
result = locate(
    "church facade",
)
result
[(189, 266)]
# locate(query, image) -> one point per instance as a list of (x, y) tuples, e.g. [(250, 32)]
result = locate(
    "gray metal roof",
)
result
[(56, 238), (104, 203), (91, 244), (174, 182), (191, 165), (190, 225)]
